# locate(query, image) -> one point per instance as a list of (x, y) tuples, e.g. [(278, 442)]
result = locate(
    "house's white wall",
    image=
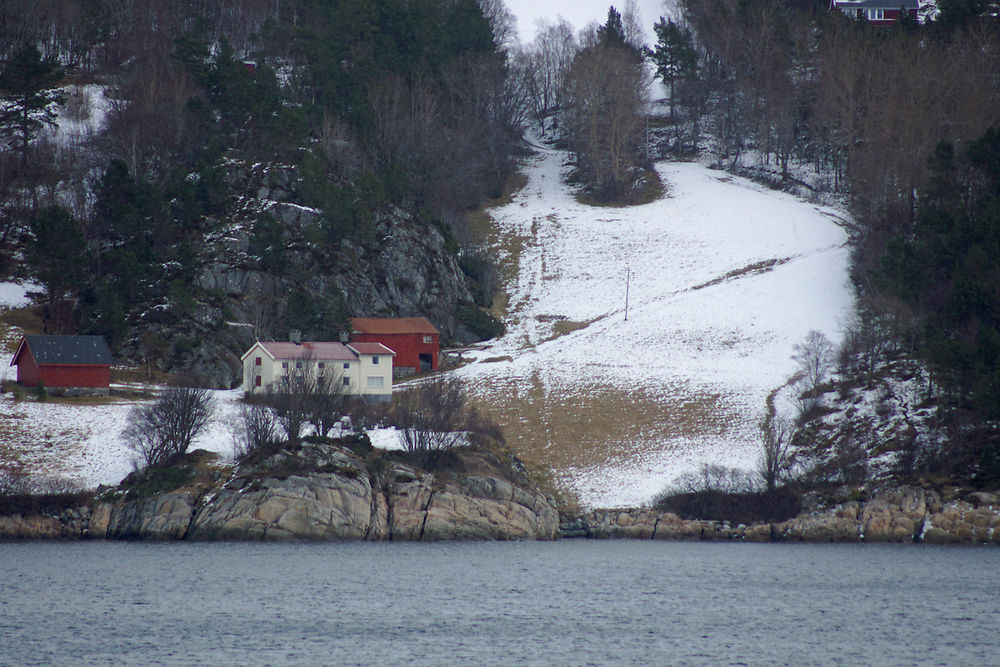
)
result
[(379, 368), (357, 372), (251, 370)]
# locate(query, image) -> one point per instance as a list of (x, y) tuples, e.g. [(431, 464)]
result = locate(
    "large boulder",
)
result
[(328, 496)]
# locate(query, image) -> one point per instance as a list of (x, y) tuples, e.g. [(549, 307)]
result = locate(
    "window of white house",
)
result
[(322, 365), (284, 364), (375, 360), (876, 14), (347, 365), (376, 381), (428, 340), (347, 382), (284, 380), (256, 361), (298, 364)]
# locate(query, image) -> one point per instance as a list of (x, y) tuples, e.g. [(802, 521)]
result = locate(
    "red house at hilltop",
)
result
[(64, 362), (877, 12), (415, 341)]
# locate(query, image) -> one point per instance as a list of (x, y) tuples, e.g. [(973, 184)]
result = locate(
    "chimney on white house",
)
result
[(295, 336)]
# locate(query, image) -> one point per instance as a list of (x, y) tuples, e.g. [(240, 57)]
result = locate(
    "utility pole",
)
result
[(627, 276)]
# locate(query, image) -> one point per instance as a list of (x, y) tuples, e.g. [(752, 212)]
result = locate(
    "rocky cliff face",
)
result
[(896, 514), (323, 492), (402, 268)]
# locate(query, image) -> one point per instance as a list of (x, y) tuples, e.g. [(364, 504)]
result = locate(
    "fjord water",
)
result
[(562, 603)]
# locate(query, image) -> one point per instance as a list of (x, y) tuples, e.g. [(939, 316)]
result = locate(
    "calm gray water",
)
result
[(563, 603)]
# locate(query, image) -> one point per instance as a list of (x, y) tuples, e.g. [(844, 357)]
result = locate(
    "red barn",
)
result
[(64, 362), (415, 341)]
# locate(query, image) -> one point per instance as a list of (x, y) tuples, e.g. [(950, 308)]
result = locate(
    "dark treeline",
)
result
[(901, 120), (372, 102)]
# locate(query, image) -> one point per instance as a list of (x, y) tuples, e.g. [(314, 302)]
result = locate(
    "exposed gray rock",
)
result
[(319, 492), (162, 517), (893, 514)]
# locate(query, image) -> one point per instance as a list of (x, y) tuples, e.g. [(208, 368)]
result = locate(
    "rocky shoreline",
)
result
[(335, 493), (319, 493), (894, 514)]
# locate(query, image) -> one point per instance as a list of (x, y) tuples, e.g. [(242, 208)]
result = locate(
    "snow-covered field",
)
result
[(723, 278)]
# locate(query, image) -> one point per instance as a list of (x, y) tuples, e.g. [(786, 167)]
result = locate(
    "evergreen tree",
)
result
[(28, 83), (55, 254), (612, 32), (944, 271), (674, 55)]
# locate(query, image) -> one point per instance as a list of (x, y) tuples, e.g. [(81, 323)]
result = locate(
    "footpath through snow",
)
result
[(724, 277)]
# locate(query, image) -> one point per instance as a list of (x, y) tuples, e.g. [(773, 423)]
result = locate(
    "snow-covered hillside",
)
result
[(723, 277)]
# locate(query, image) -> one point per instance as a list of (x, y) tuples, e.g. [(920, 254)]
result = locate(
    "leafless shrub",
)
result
[(714, 477), (256, 430), (433, 416), (725, 494), (162, 430), (309, 394)]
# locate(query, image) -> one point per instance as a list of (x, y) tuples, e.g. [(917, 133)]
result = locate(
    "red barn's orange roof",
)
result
[(394, 325)]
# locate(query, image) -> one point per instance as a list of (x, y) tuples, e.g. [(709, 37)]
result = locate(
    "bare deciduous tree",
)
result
[(775, 458), (543, 65), (815, 356), (166, 428), (607, 88)]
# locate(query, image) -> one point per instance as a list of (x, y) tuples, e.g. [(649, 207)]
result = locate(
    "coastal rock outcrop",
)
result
[(315, 491), (894, 514)]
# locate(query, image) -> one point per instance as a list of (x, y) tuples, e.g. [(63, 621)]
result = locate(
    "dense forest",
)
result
[(371, 114), (900, 122)]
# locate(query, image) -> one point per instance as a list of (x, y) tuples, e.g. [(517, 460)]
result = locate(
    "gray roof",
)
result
[(68, 349)]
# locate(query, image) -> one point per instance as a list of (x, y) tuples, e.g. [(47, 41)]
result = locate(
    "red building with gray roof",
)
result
[(64, 362)]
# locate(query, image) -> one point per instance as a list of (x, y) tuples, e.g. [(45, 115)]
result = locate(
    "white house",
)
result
[(363, 369)]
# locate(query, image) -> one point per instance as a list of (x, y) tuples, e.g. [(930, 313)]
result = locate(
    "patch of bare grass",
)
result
[(591, 424), (495, 360), (563, 327), (480, 221), (754, 269), (647, 189), (17, 322)]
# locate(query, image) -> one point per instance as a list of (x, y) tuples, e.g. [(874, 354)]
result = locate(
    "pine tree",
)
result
[(55, 254), (612, 33), (29, 85), (674, 55)]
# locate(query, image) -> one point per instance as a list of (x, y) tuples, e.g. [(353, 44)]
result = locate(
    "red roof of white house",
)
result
[(393, 325), (320, 351), (370, 348)]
